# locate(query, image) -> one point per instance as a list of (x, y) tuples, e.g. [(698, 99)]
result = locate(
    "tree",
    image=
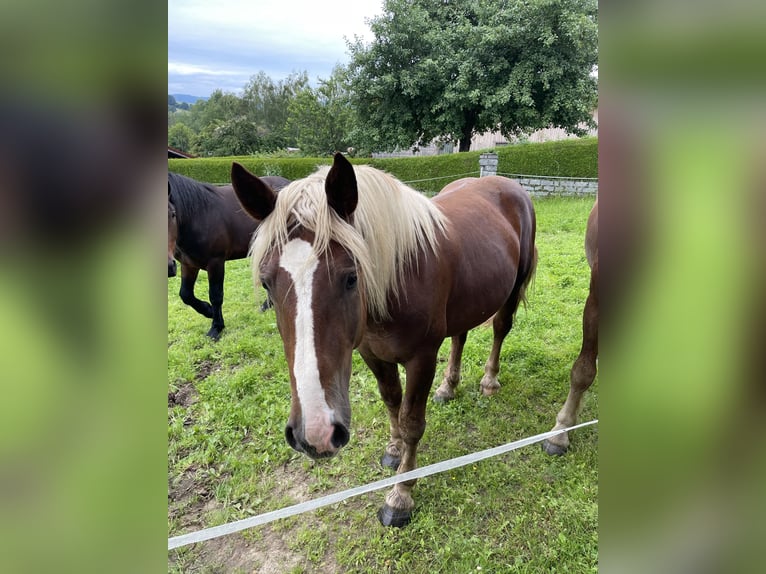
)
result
[(181, 137), (233, 136), (448, 69), (219, 108), (321, 118), (266, 105)]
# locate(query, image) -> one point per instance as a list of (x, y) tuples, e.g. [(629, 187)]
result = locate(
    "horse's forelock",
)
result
[(392, 222)]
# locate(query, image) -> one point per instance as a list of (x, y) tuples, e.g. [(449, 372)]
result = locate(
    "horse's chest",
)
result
[(409, 332)]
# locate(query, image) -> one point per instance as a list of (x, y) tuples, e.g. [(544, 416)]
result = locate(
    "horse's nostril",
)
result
[(290, 437), (340, 436)]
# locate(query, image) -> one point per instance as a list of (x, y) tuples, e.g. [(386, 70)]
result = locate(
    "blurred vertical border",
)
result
[(82, 294), (83, 336), (682, 172)]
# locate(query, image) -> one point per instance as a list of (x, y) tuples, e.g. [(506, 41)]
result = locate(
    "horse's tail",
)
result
[(528, 257)]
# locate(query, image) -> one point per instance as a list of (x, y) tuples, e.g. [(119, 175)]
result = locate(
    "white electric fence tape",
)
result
[(231, 527)]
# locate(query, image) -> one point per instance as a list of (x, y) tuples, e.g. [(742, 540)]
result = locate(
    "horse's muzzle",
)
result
[(172, 268), (339, 438)]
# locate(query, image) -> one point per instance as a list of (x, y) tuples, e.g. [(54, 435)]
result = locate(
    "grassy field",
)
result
[(521, 512)]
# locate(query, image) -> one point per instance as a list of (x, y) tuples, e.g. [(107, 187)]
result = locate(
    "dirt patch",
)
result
[(205, 368), (184, 396), (291, 481), (189, 501), (266, 549), (269, 554), (263, 550)]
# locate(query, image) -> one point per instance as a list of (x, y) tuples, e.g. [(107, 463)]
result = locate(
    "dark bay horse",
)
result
[(353, 258), (206, 228), (584, 368)]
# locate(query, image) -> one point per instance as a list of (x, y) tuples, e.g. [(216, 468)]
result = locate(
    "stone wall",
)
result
[(542, 186)]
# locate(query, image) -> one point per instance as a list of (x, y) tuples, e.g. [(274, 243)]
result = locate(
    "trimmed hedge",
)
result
[(218, 169), (566, 158)]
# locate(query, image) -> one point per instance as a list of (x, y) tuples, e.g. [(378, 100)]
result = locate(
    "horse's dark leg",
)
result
[(188, 279), (215, 274), (390, 387), (501, 326), (446, 391), (399, 504), (581, 377)]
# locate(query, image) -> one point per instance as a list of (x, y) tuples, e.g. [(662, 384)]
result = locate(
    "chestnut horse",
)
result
[(584, 368), (353, 258), (206, 228)]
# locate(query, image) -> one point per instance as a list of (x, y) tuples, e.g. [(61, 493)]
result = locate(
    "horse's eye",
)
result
[(351, 281)]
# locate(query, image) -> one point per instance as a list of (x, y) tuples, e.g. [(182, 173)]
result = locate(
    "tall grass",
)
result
[(520, 512)]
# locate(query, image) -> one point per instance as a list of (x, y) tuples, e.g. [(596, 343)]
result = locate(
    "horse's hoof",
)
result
[(389, 461), (554, 449), (440, 399), (397, 517), (214, 333)]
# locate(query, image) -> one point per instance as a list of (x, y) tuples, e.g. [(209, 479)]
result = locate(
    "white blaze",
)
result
[(300, 262)]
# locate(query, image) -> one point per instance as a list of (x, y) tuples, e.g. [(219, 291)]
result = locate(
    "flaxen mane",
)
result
[(391, 224)]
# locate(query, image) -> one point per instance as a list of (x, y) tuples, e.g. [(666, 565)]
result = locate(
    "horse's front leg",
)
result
[(397, 510), (215, 273), (188, 279), (390, 388)]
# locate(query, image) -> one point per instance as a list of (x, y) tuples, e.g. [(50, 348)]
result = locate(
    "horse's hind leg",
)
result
[(446, 391), (581, 377), (188, 279), (501, 326), (215, 274)]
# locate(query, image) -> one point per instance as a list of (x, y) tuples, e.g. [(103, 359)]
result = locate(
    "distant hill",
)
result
[(187, 99)]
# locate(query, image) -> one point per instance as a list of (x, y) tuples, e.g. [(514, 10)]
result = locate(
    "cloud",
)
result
[(222, 44), (180, 69)]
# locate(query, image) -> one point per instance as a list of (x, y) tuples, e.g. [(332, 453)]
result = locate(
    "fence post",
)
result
[(487, 164)]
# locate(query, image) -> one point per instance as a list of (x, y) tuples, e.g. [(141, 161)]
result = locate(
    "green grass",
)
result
[(520, 512)]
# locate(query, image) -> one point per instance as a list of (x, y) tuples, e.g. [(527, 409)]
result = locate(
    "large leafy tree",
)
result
[(448, 69)]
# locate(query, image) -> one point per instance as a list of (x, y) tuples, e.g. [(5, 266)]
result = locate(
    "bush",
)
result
[(429, 174)]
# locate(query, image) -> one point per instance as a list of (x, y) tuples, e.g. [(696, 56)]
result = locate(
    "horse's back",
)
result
[(489, 245), (507, 195), (275, 182), (487, 208)]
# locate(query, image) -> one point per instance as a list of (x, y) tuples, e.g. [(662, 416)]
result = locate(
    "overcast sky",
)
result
[(221, 44)]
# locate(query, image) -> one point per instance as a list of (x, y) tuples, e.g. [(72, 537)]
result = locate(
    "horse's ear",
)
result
[(340, 187), (257, 198)]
